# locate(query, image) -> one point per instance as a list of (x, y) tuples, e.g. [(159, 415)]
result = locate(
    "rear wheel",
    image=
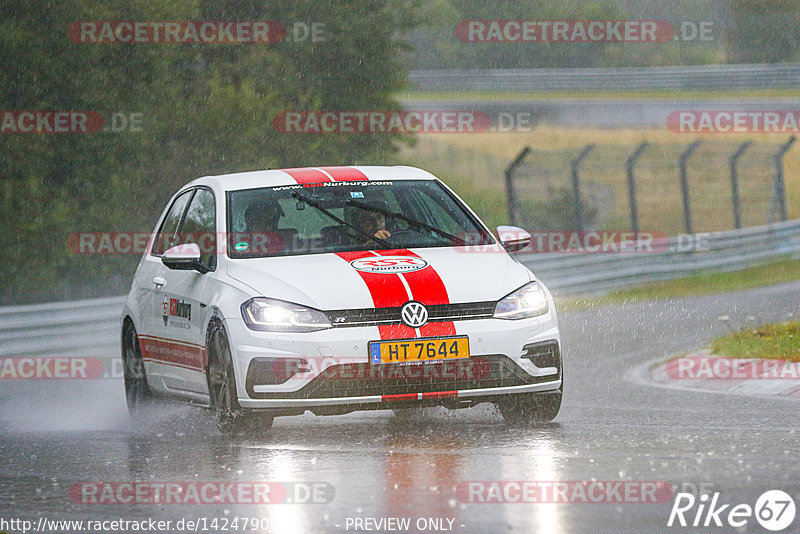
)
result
[(230, 416), (138, 395)]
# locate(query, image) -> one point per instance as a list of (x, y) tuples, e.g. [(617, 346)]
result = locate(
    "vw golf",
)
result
[(335, 289)]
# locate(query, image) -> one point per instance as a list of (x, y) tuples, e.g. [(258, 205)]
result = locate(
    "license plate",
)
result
[(419, 350)]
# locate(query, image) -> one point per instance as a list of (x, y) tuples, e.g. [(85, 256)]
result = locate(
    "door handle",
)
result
[(158, 281)]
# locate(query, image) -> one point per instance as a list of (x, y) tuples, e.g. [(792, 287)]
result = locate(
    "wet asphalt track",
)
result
[(611, 427)]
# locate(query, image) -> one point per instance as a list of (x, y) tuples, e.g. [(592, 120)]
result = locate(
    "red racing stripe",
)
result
[(420, 396), (307, 176), (396, 331), (172, 353), (345, 174), (446, 328), (426, 284), (427, 287), (387, 291)]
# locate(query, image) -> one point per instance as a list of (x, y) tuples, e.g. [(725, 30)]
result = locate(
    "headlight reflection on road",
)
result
[(547, 517), (281, 466)]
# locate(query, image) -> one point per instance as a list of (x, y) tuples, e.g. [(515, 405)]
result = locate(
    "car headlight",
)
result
[(527, 301), (261, 313)]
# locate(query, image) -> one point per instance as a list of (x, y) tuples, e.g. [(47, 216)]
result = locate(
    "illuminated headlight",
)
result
[(527, 301), (273, 315)]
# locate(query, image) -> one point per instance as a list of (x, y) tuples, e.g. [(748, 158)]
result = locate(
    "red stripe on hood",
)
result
[(428, 288), (345, 174), (387, 291)]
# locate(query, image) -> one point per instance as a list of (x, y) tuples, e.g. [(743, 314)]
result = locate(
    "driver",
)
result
[(261, 223), (373, 223), (262, 215)]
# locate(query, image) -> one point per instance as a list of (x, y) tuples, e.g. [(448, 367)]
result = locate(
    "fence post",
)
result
[(629, 163), (510, 194), (687, 207), (780, 187), (734, 161), (576, 185)]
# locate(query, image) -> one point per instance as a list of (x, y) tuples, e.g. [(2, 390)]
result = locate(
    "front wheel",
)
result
[(230, 416), (531, 407)]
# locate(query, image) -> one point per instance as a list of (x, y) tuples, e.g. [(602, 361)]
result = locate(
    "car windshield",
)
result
[(347, 216)]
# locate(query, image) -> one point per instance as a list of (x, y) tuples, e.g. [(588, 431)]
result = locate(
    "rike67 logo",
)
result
[(176, 308), (774, 510)]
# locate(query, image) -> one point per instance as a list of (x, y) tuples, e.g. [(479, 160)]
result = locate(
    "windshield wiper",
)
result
[(315, 204), (409, 220)]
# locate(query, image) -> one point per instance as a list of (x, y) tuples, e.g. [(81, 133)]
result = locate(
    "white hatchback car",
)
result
[(336, 289)]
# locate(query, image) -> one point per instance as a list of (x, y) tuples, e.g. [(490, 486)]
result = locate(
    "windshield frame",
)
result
[(488, 237)]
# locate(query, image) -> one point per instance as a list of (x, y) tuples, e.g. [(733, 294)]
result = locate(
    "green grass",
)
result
[(704, 283), (772, 342)]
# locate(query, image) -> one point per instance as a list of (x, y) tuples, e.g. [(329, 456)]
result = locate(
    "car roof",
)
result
[(277, 177)]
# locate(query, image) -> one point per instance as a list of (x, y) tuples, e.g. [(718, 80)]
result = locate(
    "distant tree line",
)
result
[(744, 31)]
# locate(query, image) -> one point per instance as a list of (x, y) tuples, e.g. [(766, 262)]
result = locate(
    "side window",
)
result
[(166, 234), (199, 226)]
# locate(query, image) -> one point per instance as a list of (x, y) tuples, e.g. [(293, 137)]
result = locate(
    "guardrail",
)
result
[(77, 328), (91, 327), (746, 76), (591, 273)]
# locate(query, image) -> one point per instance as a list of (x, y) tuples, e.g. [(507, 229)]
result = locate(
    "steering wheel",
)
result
[(409, 236)]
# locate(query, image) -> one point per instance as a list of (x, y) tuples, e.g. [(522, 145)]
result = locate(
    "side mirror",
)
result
[(184, 257), (512, 238)]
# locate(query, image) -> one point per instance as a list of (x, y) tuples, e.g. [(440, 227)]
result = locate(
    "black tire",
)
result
[(138, 394), (532, 407), (230, 416)]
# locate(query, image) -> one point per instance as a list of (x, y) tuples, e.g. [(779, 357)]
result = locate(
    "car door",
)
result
[(149, 287), (184, 298)]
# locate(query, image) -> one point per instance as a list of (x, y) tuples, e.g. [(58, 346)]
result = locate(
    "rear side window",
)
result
[(166, 237)]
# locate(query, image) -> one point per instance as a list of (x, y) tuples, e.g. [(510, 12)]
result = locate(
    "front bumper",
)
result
[(436, 397), (339, 374)]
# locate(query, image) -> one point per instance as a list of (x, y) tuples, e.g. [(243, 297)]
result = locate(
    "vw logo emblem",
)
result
[(414, 314)]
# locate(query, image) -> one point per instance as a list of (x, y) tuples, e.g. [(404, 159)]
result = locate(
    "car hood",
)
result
[(331, 282)]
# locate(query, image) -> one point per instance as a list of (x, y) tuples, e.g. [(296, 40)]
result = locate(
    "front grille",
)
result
[(362, 379), (389, 316)]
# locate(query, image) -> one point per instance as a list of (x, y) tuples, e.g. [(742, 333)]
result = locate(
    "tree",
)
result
[(765, 31), (205, 108)]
